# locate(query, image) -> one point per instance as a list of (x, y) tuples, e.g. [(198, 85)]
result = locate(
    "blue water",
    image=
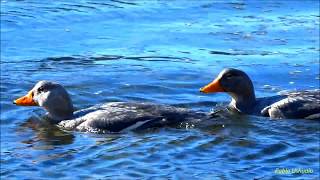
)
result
[(162, 52)]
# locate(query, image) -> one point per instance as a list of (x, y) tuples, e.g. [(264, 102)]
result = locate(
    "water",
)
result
[(162, 52)]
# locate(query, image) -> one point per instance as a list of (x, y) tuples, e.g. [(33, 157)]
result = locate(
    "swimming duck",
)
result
[(292, 105), (110, 117)]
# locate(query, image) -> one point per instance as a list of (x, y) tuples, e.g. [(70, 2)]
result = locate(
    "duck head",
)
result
[(52, 97), (237, 84)]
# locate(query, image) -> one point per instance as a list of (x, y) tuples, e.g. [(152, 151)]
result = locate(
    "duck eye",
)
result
[(228, 76), (40, 89)]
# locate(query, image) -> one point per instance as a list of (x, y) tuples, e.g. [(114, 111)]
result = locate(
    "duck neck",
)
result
[(58, 114), (243, 103)]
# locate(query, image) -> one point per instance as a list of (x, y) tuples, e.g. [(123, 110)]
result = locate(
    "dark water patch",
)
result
[(286, 157), (83, 60), (9, 21), (159, 58), (124, 2), (244, 143), (212, 143), (77, 6), (237, 5), (16, 14), (242, 53), (221, 53), (106, 57), (105, 4), (183, 141), (61, 58), (185, 52), (296, 154), (274, 149)]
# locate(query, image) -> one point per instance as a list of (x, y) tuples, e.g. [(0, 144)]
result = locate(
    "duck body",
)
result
[(124, 116), (298, 104), (108, 117), (291, 105)]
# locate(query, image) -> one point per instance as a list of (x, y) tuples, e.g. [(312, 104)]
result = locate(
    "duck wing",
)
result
[(118, 116), (300, 104)]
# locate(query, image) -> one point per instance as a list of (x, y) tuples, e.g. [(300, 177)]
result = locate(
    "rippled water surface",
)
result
[(161, 52)]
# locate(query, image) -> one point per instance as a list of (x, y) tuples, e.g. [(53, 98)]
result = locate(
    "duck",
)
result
[(303, 104), (102, 118)]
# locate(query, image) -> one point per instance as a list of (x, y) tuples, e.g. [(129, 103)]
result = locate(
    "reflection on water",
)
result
[(161, 52), (45, 133)]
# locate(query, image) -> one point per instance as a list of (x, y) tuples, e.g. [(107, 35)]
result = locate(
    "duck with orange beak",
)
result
[(52, 97), (292, 105), (107, 117)]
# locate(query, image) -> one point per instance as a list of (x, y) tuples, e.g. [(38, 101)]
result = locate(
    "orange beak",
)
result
[(26, 100), (214, 86)]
